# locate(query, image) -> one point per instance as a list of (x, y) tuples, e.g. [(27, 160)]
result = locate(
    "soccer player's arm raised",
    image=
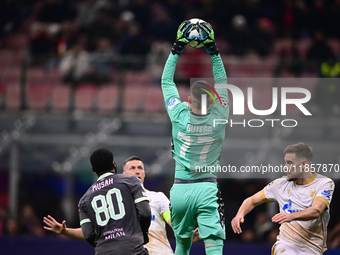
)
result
[(169, 89), (170, 92), (220, 75)]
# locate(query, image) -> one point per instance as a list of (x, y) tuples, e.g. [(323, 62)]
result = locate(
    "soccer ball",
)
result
[(195, 30)]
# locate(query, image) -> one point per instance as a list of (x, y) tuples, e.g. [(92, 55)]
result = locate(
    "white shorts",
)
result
[(285, 248)]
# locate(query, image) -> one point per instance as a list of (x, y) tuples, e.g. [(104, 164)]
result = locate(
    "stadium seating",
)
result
[(37, 95), (2, 94), (145, 78), (184, 92), (108, 97), (133, 99), (133, 78), (13, 97), (60, 97), (54, 76), (35, 75), (85, 95), (154, 101), (16, 42), (10, 74), (206, 66)]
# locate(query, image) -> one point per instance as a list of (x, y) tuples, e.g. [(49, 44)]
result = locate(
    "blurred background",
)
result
[(79, 74)]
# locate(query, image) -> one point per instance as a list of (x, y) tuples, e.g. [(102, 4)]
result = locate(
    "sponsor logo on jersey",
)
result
[(287, 208), (115, 233), (153, 218), (326, 193), (172, 103)]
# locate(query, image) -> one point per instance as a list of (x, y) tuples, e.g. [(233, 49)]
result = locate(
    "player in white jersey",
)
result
[(160, 210), (304, 198)]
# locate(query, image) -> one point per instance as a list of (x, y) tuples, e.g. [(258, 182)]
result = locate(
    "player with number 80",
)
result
[(114, 214)]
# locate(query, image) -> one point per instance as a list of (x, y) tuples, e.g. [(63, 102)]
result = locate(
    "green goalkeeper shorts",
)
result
[(201, 202)]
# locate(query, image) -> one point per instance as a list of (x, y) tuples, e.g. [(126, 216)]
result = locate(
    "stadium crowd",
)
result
[(99, 31), (101, 42)]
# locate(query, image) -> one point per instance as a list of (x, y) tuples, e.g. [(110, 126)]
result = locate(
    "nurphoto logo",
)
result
[(239, 103)]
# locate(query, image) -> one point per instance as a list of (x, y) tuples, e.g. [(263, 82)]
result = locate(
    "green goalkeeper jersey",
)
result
[(197, 139)]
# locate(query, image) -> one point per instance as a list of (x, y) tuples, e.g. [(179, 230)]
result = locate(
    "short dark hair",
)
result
[(102, 161), (301, 150), (132, 158), (197, 89)]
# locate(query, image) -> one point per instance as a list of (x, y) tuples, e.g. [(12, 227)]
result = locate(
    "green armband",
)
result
[(167, 216)]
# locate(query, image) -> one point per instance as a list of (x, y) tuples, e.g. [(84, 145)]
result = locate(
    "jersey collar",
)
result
[(199, 115), (310, 180), (104, 175)]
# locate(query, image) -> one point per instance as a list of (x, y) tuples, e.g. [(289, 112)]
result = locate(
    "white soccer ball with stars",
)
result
[(195, 30)]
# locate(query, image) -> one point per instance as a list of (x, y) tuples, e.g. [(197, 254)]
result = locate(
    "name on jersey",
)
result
[(102, 184), (111, 234), (199, 129)]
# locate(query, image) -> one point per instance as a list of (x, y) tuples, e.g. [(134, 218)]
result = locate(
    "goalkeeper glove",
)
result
[(183, 37), (208, 38)]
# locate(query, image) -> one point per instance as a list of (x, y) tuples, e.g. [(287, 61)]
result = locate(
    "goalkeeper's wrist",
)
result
[(211, 48), (177, 47)]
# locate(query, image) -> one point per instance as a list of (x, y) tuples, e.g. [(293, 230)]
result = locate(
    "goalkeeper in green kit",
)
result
[(197, 144)]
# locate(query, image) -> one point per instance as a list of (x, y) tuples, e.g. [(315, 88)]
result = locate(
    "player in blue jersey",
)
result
[(197, 145)]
